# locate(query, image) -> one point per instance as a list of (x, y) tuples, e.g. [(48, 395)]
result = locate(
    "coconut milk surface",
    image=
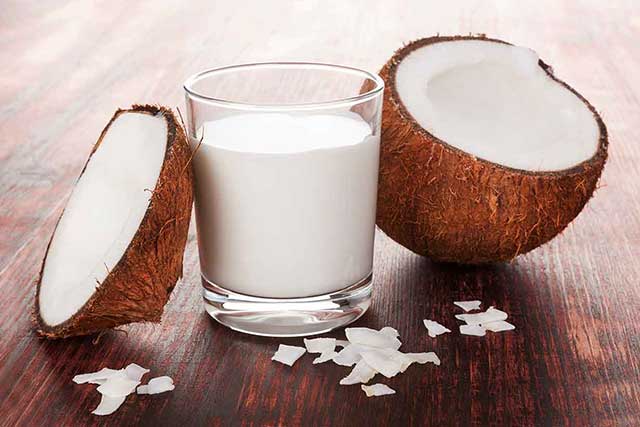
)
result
[(285, 204)]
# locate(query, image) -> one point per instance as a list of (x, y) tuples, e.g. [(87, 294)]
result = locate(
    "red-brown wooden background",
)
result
[(574, 359)]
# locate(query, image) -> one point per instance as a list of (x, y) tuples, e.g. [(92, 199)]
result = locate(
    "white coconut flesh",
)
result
[(103, 213), (494, 101)]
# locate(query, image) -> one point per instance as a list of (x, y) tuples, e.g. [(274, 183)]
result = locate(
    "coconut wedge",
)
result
[(116, 252), (485, 153)]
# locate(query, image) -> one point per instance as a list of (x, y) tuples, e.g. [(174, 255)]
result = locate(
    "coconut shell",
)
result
[(139, 285), (442, 202)]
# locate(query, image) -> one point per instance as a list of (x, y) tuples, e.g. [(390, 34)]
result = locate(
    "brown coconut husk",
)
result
[(444, 203), (139, 285)]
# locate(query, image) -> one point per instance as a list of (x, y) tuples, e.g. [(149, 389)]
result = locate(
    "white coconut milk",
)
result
[(285, 204)]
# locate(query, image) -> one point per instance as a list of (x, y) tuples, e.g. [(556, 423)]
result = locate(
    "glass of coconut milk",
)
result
[(286, 173)]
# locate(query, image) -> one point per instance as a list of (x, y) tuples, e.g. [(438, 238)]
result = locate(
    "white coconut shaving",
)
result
[(157, 385), (434, 328), (423, 358), (361, 373), (325, 357), (114, 391), (499, 326), (475, 330), (390, 332), (320, 345), (135, 372), (371, 351), (387, 361), (108, 405), (372, 338), (377, 390), (116, 384), (118, 387), (478, 324), (98, 377), (349, 356), (468, 305), (407, 359), (491, 315), (132, 371), (288, 354)]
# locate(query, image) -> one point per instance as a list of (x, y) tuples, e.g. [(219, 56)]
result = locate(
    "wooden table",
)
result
[(574, 358)]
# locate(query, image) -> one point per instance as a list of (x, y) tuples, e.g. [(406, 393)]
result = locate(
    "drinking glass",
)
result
[(286, 171)]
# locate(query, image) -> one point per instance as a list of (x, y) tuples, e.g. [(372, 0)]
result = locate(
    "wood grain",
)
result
[(574, 359)]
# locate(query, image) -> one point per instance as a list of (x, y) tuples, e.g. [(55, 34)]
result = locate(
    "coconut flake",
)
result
[(158, 385), (116, 384), (498, 326), (132, 371), (387, 361), (118, 387), (435, 328), (108, 405), (98, 377), (476, 330), (377, 390), (423, 358), (325, 357), (468, 305), (288, 354), (135, 372), (491, 315), (407, 359), (342, 343), (348, 356), (361, 373), (390, 332), (320, 345), (372, 338)]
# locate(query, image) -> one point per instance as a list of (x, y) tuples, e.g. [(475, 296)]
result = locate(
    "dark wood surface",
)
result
[(574, 358)]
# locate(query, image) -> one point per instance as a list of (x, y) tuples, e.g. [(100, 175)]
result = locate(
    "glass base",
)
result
[(287, 317)]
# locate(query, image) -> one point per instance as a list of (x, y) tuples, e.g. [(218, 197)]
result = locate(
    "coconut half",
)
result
[(116, 252), (485, 153)]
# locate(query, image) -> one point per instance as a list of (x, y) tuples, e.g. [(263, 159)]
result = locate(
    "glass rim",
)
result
[(230, 103)]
